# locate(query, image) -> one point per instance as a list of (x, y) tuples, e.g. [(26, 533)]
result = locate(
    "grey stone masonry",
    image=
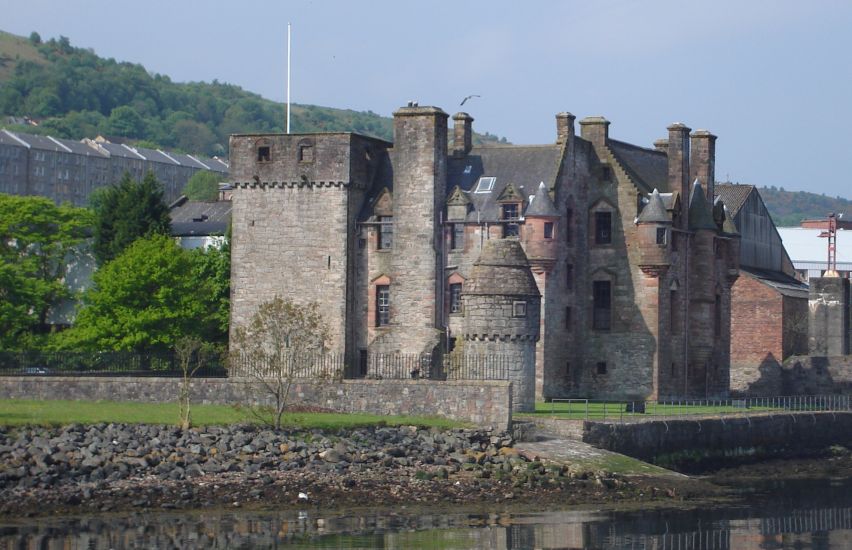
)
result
[(502, 306), (829, 316), (416, 278)]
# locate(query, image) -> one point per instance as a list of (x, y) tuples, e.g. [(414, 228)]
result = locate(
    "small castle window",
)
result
[(519, 309), (601, 367), (569, 321), (602, 307), (382, 305), (264, 153), (548, 230), (606, 173), (306, 153), (385, 241), (661, 235), (603, 227), (457, 236), (569, 276), (569, 221), (455, 298)]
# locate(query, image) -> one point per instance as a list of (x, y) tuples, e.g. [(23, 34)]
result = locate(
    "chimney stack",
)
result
[(678, 153), (595, 129), (702, 161), (462, 133), (662, 145), (564, 128)]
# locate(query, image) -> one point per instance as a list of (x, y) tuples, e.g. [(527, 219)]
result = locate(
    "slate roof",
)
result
[(80, 148), (542, 205), (525, 166), (118, 150), (647, 167), (155, 156), (199, 218), (700, 214), (734, 196), (501, 270), (784, 284), (8, 138), (42, 142), (655, 210)]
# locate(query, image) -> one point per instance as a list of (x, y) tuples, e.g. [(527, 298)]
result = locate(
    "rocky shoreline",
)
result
[(117, 467)]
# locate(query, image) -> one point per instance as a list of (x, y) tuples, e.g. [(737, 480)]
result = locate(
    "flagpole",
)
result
[(288, 78)]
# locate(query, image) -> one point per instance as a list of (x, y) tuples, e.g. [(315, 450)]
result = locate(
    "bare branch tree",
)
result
[(192, 355), (283, 342)]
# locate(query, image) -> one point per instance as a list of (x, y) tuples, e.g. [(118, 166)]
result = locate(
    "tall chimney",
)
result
[(462, 133), (702, 161), (679, 167), (595, 129), (564, 128)]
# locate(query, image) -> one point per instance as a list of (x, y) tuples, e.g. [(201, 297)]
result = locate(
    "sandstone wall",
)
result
[(487, 403)]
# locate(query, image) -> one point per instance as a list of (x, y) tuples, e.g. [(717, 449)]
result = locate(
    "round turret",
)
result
[(502, 307)]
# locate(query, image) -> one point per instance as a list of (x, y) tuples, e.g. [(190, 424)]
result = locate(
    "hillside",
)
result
[(788, 208), (73, 93)]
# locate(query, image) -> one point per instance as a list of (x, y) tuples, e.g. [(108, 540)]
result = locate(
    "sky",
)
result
[(772, 79)]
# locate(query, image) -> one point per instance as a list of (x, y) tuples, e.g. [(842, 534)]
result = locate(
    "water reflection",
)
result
[(773, 523)]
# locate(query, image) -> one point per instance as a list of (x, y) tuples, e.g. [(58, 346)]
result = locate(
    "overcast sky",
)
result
[(773, 79)]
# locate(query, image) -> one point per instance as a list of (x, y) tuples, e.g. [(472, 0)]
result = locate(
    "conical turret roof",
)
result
[(502, 270), (655, 211), (542, 205), (700, 213), (728, 226)]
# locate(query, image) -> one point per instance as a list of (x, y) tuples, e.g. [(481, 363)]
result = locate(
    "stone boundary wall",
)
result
[(485, 403), (806, 375), (646, 440)]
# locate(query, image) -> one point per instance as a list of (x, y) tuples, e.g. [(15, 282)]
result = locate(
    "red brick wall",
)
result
[(757, 337)]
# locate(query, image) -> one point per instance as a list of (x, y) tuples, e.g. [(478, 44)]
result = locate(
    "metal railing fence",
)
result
[(588, 409), (303, 365), (102, 363)]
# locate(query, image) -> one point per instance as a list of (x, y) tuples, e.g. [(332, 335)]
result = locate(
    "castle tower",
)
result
[(501, 315), (655, 237), (705, 296), (416, 267)]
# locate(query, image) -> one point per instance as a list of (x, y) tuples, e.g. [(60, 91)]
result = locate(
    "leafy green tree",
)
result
[(126, 212), (148, 298), (38, 240), (203, 186), (35, 38), (125, 121), (214, 265)]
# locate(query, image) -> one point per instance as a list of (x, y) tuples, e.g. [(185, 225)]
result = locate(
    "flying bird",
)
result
[(468, 97)]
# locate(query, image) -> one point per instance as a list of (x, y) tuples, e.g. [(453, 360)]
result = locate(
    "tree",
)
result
[(126, 212), (35, 38), (203, 186), (146, 299), (125, 121), (282, 343), (38, 240), (192, 355), (214, 265)]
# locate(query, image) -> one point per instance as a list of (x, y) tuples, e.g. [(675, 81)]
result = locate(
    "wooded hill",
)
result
[(789, 208), (74, 93)]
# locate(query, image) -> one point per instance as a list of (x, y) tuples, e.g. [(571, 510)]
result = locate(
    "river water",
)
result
[(777, 514)]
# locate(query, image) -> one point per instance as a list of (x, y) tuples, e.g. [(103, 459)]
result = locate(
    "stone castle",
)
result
[(605, 268)]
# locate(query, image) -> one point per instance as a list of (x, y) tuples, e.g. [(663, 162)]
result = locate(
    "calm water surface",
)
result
[(779, 515)]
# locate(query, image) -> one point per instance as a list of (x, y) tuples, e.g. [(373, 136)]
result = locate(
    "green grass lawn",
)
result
[(581, 410), (17, 412)]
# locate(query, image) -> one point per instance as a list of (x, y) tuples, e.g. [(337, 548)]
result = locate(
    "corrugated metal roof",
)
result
[(784, 284), (805, 245)]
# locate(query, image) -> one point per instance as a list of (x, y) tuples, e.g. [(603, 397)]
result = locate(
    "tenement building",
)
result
[(68, 171), (604, 267)]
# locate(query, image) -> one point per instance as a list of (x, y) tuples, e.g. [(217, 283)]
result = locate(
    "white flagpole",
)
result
[(288, 78)]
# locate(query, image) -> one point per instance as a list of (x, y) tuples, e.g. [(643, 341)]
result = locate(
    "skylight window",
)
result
[(468, 169), (485, 185)]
